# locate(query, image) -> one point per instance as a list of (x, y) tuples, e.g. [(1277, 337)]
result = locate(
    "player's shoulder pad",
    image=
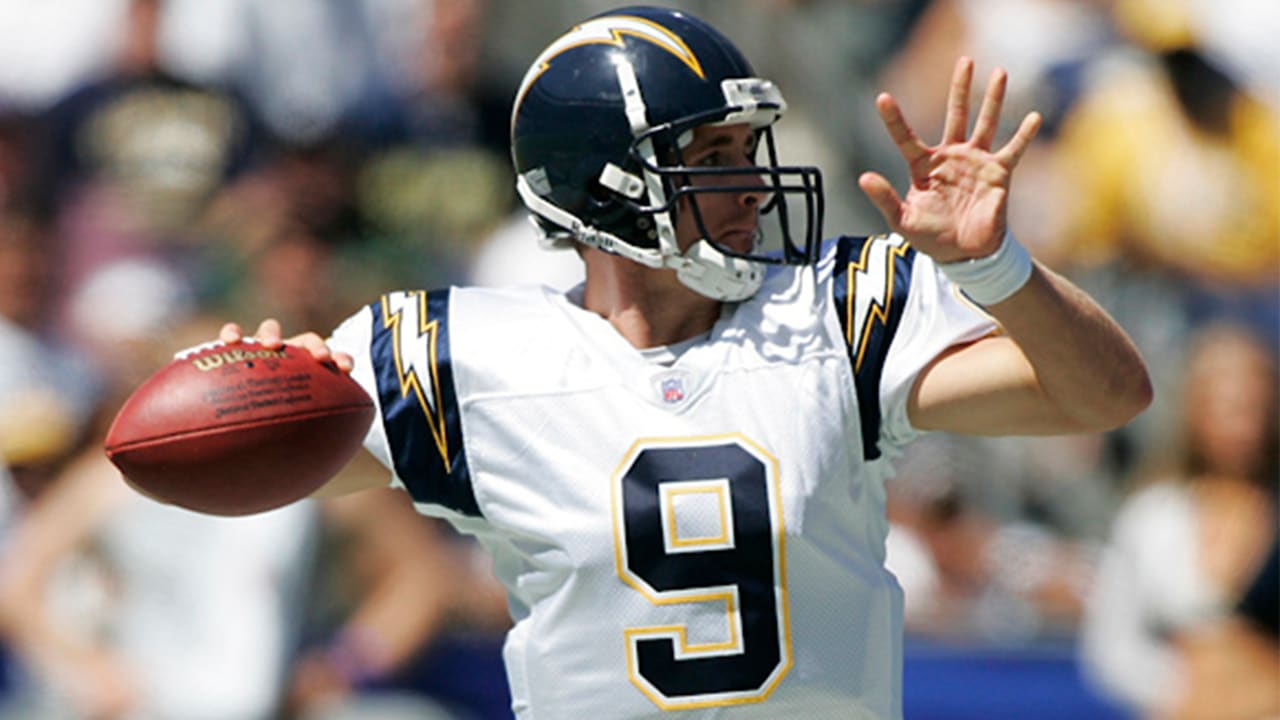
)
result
[(870, 282)]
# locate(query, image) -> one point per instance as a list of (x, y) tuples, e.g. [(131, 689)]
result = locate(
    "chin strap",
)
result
[(709, 272)]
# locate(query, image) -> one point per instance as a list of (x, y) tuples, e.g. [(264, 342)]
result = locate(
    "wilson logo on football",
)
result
[(212, 362)]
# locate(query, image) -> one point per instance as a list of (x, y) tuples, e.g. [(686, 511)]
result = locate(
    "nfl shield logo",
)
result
[(672, 390)]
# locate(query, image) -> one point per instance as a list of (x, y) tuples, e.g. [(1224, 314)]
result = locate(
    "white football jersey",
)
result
[(705, 535)]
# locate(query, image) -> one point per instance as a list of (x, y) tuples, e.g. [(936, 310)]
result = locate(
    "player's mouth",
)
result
[(740, 239)]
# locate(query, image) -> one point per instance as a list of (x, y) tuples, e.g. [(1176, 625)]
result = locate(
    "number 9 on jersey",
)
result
[(698, 527)]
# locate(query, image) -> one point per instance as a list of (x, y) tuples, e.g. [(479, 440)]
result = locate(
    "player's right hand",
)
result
[(271, 335)]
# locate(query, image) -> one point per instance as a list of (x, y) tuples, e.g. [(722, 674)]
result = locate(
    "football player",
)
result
[(679, 466)]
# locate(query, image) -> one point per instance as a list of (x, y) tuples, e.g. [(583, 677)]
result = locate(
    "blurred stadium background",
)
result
[(168, 163)]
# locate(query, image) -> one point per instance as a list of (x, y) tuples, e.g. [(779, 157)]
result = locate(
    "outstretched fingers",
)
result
[(903, 136), (1012, 152), (958, 102), (984, 130), (883, 196)]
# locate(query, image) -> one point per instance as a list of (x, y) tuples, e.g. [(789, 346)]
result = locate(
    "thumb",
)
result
[(883, 196)]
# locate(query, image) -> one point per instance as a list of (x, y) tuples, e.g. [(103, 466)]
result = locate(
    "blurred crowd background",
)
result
[(169, 164)]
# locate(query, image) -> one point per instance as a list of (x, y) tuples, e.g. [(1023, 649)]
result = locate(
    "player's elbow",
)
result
[(1133, 396), (1125, 397), (1142, 395)]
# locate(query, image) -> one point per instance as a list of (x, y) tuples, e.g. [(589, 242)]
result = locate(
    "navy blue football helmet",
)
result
[(597, 131)]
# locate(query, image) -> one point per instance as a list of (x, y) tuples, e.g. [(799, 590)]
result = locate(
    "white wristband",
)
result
[(990, 279)]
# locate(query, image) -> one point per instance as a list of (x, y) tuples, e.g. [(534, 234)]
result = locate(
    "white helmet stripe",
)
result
[(633, 101)]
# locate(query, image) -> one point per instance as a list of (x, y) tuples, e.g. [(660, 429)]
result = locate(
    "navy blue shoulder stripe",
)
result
[(411, 357), (870, 282)]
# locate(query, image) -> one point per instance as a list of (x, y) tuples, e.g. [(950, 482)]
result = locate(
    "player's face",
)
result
[(730, 218)]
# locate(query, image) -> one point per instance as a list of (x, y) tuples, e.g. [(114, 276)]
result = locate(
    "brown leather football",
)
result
[(238, 429)]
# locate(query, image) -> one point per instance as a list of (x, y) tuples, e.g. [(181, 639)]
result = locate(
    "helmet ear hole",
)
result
[(613, 212), (599, 195)]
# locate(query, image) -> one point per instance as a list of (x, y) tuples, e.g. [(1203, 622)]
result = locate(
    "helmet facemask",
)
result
[(789, 190)]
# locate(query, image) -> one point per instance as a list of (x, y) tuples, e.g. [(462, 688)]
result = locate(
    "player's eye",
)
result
[(711, 159)]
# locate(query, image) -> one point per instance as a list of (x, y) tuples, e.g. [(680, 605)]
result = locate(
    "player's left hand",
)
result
[(956, 206)]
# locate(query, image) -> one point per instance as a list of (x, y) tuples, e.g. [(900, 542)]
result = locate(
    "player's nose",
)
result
[(753, 190), (756, 193)]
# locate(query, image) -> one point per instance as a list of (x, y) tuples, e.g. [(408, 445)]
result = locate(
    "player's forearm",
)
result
[(28, 628), (406, 597), (1085, 364), (404, 610)]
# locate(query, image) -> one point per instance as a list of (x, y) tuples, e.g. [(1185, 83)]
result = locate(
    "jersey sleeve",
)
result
[(897, 312), (403, 360)]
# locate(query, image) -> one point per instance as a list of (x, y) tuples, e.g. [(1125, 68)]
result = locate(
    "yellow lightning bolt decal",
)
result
[(612, 30), (877, 312), (410, 382)]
